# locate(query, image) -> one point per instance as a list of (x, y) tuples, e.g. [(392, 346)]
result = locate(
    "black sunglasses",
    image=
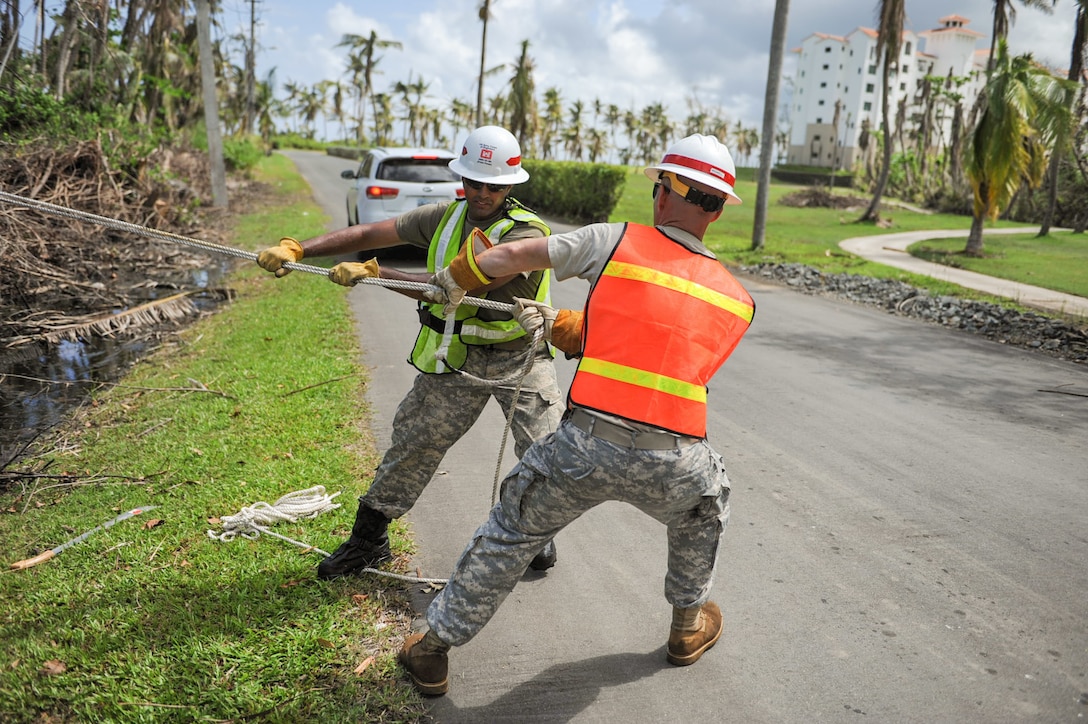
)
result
[(477, 185)]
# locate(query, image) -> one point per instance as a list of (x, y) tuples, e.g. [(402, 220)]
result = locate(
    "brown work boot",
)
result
[(424, 657), (693, 632)]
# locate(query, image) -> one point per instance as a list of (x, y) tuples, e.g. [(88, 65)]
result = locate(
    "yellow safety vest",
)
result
[(468, 328)]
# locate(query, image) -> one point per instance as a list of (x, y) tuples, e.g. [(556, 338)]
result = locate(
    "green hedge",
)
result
[(578, 192)]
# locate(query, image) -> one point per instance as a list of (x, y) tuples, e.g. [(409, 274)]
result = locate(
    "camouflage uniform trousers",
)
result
[(559, 479), (440, 409)]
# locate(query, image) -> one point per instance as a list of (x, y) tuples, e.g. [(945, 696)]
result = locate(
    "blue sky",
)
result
[(627, 52)]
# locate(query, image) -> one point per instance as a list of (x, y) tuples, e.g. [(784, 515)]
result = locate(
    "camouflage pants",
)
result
[(440, 409), (563, 476)]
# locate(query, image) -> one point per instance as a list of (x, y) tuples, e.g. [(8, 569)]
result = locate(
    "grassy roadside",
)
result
[(158, 622)]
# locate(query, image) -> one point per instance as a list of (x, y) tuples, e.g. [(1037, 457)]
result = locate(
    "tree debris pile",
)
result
[(64, 277), (1053, 337), (818, 197)]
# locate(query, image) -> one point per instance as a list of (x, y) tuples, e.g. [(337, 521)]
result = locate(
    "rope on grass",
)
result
[(249, 521), (253, 520)]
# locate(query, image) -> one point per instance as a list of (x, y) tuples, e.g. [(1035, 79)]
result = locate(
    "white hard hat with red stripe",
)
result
[(700, 158), (491, 155)]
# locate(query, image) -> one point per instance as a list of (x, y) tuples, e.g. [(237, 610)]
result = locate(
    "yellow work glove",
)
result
[(349, 273), (461, 276), (533, 315), (562, 327), (273, 258)]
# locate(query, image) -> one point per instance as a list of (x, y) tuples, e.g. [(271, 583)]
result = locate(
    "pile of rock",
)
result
[(1055, 337)]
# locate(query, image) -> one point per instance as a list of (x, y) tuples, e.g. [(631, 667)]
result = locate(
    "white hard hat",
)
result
[(700, 158), (491, 155)]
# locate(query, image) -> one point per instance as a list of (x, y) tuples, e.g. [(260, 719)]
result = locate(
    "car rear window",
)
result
[(416, 170)]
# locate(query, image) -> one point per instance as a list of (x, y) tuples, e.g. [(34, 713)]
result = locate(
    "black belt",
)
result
[(603, 429)]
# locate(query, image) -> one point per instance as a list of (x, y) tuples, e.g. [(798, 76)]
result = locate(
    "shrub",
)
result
[(581, 192)]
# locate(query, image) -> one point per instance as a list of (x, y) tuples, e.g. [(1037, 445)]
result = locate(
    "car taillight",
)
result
[(461, 193), (422, 157), (381, 192)]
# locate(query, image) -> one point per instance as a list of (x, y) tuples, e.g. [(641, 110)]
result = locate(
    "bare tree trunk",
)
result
[(9, 35), (211, 105), (873, 212), (485, 13), (770, 110), (1076, 66), (978, 219), (64, 53), (974, 238)]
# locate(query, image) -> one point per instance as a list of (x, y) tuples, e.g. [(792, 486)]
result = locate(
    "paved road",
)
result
[(907, 542), (891, 249)]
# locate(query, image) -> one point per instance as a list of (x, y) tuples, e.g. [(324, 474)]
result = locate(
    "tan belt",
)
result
[(605, 430)]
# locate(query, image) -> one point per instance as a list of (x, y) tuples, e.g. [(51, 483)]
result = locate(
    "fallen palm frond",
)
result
[(52, 327)]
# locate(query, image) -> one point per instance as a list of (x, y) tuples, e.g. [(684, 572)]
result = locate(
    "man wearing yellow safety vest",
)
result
[(442, 405), (661, 317)]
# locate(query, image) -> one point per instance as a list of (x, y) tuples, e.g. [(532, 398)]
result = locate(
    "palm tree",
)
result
[(552, 122), (1076, 69), (382, 103), (598, 142), (770, 109), (1023, 110), (889, 37), (573, 138), (612, 120), (521, 102), (1005, 16), (485, 15), (361, 62), (412, 96)]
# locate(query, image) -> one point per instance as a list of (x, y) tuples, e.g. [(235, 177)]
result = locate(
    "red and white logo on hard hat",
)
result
[(485, 153)]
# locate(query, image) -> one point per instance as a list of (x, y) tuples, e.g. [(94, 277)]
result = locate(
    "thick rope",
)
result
[(118, 225)]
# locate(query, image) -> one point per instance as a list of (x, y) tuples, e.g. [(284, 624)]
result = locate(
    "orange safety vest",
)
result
[(659, 323)]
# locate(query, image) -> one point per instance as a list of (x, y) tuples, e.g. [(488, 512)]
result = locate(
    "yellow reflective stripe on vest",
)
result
[(625, 270), (642, 378)]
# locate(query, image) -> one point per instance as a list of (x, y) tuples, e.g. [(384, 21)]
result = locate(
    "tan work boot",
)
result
[(693, 632), (424, 657)]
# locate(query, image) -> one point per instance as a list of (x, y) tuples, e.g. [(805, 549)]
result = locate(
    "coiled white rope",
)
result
[(252, 521)]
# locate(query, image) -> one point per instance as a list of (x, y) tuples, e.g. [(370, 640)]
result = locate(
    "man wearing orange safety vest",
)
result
[(661, 317)]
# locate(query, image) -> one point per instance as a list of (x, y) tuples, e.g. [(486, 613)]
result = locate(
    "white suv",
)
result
[(391, 181)]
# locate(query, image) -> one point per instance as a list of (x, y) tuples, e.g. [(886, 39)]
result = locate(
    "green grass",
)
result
[(1058, 261), (162, 623)]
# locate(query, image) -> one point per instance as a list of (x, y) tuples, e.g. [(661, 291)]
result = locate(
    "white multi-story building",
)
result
[(838, 88)]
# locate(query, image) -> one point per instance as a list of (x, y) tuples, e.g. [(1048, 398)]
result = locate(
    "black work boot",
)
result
[(366, 548), (424, 658), (545, 559)]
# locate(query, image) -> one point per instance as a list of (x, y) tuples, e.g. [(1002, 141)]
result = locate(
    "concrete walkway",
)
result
[(891, 249)]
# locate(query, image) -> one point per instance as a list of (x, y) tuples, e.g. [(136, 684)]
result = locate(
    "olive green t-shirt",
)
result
[(417, 227)]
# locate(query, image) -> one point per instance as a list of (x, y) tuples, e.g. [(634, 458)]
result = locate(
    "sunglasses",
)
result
[(477, 185), (707, 202)]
